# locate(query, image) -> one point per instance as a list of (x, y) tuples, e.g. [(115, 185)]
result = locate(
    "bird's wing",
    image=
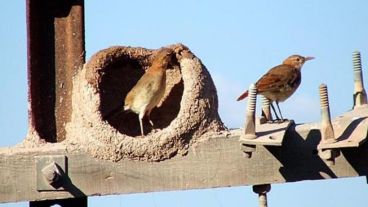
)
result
[(144, 85), (276, 78), (141, 85)]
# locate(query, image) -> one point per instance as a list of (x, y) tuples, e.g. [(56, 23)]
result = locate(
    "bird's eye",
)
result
[(298, 59)]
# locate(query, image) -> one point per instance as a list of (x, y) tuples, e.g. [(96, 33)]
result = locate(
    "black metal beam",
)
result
[(69, 202)]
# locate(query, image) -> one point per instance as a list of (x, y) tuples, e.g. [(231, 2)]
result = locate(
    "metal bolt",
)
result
[(247, 149), (250, 127), (266, 111), (262, 191), (51, 173), (329, 155), (360, 96), (327, 132)]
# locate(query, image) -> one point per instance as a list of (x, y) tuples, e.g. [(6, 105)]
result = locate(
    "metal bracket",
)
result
[(266, 135), (51, 171)]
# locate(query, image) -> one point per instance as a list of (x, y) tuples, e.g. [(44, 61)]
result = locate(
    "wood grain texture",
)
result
[(218, 162), (214, 162)]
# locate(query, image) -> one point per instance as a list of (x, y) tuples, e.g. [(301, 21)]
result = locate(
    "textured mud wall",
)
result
[(187, 112)]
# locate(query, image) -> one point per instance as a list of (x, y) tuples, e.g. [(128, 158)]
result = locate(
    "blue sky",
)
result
[(238, 41)]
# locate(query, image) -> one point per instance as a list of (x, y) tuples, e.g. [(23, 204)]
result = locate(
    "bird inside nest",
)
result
[(150, 88), (280, 82)]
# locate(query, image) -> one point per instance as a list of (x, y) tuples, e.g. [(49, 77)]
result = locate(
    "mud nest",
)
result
[(187, 111)]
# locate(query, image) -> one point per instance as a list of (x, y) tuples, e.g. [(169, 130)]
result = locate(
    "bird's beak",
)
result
[(308, 58)]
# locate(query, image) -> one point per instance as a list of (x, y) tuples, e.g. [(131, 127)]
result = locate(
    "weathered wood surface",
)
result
[(217, 162)]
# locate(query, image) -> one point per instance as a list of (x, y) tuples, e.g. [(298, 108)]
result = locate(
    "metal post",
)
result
[(266, 111), (262, 191), (360, 96), (250, 123), (55, 47), (327, 131), (55, 50)]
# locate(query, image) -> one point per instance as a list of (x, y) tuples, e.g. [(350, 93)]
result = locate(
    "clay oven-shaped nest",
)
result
[(187, 111)]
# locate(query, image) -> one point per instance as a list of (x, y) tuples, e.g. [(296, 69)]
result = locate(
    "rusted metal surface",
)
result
[(55, 46)]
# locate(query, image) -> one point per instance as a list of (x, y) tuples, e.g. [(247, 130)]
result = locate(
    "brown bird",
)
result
[(150, 88), (280, 82)]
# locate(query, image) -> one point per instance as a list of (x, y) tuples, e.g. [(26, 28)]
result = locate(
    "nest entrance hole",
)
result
[(119, 77)]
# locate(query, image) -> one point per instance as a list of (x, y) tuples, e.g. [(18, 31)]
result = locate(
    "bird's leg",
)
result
[(148, 114), (277, 104), (141, 115), (274, 111)]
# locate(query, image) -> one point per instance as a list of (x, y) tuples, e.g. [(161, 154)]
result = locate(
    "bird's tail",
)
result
[(243, 96)]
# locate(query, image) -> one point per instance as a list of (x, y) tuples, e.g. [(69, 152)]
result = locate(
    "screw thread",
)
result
[(327, 133), (252, 99), (265, 102), (323, 95), (360, 96), (357, 62)]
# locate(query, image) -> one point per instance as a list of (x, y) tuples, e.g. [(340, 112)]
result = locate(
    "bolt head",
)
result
[(51, 173)]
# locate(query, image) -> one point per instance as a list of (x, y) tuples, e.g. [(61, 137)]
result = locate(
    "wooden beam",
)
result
[(217, 162)]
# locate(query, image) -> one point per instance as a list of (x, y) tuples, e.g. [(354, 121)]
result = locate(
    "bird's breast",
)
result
[(285, 90)]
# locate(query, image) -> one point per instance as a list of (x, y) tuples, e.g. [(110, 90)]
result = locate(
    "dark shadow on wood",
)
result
[(301, 163), (349, 130), (357, 157), (66, 183), (263, 133)]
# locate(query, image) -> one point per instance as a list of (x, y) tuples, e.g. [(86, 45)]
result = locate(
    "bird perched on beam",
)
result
[(150, 88), (280, 82)]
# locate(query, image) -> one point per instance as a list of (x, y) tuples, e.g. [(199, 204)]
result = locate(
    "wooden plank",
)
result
[(215, 162), (218, 162)]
